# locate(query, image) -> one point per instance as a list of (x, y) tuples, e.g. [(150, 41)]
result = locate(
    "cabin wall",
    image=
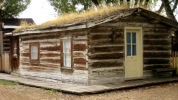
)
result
[(6, 44), (49, 67), (6, 41), (107, 54)]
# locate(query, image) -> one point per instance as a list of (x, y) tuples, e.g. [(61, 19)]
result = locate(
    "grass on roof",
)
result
[(74, 17)]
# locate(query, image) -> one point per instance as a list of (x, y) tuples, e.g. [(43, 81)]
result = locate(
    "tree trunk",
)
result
[(161, 8), (0, 14), (169, 12), (95, 2)]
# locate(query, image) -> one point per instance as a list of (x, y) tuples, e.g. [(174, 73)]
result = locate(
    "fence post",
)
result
[(0, 63)]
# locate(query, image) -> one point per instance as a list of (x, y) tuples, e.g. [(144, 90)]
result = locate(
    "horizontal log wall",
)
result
[(49, 67), (6, 44), (106, 54)]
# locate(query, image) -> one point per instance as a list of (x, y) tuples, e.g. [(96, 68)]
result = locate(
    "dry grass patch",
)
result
[(76, 17)]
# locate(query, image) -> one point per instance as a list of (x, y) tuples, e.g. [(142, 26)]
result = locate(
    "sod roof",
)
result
[(91, 18)]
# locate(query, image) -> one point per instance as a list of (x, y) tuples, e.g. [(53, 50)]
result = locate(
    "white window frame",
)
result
[(66, 52), (34, 52), (15, 49)]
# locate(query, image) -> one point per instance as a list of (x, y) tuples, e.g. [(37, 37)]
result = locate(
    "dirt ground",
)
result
[(158, 92)]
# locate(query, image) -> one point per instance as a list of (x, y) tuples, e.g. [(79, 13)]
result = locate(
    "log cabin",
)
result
[(124, 44), (8, 41)]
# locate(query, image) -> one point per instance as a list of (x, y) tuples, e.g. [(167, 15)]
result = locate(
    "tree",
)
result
[(12, 8), (66, 6), (170, 7)]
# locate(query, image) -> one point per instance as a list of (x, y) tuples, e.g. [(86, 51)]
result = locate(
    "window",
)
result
[(131, 43), (15, 49), (66, 53), (34, 52)]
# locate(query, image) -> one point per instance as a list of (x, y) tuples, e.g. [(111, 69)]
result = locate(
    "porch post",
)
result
[(1, 36), (1, 48)]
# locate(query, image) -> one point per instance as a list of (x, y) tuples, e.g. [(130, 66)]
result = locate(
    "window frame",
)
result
[(131, 44), (15, 48), (30, 52), (62, 53)]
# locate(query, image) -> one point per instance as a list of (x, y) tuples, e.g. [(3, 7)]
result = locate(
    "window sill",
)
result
[(67, 69), (34, 61)]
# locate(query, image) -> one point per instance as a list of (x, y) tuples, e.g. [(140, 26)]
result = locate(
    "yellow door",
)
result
[(133, 53)]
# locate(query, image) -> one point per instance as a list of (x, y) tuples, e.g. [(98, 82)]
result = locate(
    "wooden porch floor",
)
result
[(80, 90)]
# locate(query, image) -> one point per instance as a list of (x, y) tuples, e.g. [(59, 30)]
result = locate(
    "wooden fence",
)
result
[(4, 63), (175, 60)]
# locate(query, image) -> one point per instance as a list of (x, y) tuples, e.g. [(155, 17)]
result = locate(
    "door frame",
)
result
[(14, 59), (141, 51)]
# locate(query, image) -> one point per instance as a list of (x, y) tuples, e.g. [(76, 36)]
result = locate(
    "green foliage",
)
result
[(12, 8), (4, 82), (66, 6)]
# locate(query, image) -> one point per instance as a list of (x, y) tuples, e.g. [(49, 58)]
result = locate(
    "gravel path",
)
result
[(158, 92)]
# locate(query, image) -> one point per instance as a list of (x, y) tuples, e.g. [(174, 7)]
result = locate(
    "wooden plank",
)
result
[(51, 48), (0, 62), (1, 42), (156, 42), (107, 49), (79, 53), (107, 55), (3, 62), (7, 63), (156, 61), (156, 48), (105, 64), (106, 41), (156, 36), (154, 54), (79, 60), (79, 47)]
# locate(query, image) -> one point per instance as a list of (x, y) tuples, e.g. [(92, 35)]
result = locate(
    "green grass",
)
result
[(51, 92), (4, 82)]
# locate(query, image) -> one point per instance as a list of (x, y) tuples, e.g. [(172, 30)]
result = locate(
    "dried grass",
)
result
[(25, 25), (75, 17)]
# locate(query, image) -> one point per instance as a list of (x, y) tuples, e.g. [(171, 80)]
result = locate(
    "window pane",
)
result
[(34, 52), (128, 37), (128, 50), (15, 51), (15, 48), (67, 53), (66, 46), (133, 50), (133, 37), (15, 45), (67, 60)]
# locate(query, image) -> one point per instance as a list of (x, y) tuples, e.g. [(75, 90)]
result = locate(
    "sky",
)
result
[(40, 10)]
